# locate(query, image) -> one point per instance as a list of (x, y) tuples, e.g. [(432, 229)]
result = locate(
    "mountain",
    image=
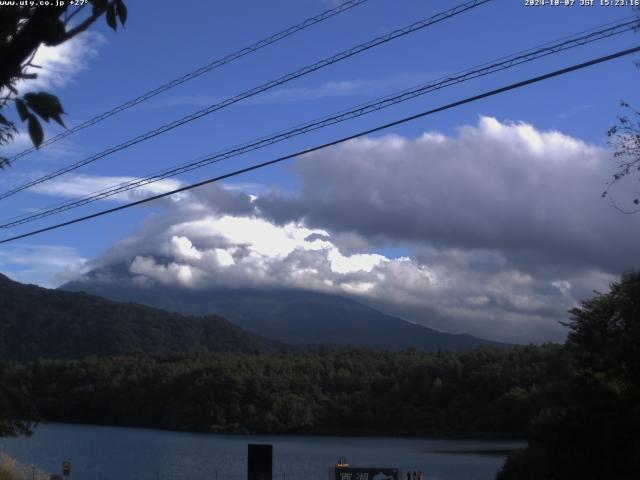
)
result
[(39, 322), (292, 316)]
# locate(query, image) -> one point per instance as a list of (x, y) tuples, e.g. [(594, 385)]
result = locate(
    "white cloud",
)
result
[(341, 88), (58, 67), (354, 263), (331, 88), (194, 246), (80, 185), (62, 63), (45, 265)]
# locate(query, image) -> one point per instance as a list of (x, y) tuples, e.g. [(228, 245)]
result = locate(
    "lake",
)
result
[(105, 453)]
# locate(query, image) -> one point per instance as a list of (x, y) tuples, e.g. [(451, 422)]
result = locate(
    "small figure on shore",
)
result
[(408, 475)]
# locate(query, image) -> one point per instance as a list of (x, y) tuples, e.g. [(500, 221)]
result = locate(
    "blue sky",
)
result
[(163, 40)]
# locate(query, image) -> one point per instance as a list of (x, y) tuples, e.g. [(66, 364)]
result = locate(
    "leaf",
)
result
[(98, 6), (111, 17), (22, 109), (35, 130), (121, 10), (45, 105), (58, 120)]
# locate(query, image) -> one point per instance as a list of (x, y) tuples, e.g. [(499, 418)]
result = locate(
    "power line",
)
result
[(343, 7), (414, 27), (504, 63), (235, 173)]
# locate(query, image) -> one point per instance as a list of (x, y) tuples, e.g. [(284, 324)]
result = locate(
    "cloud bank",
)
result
[(535, 196), (501, 229)]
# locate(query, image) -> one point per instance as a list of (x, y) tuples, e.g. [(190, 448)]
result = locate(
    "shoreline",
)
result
[(326, 434)]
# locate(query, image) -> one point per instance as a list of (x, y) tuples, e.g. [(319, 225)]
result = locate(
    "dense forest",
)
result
[(480, 393)]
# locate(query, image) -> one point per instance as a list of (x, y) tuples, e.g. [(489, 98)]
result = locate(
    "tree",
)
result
[(625, 139), (593, 431), (605, 333), (17, 409), (23, 29)]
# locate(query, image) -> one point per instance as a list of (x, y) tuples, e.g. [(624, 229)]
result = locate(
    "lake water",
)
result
[(106, 453)]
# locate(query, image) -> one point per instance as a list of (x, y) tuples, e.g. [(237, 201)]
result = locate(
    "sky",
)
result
[(484, 219)]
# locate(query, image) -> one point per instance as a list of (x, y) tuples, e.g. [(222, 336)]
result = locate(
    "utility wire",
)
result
[(255, 91), (241, 171), (343, 7), (363, 109)]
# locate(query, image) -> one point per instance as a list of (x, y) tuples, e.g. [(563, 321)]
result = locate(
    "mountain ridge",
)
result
[(294, 316)]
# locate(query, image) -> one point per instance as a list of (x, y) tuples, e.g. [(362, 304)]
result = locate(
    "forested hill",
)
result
[(38, 322)]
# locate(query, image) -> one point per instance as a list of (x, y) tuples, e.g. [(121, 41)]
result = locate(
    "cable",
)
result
[(255, 91), (241, 171), (360, 110), (343, 7), (529, 55)]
